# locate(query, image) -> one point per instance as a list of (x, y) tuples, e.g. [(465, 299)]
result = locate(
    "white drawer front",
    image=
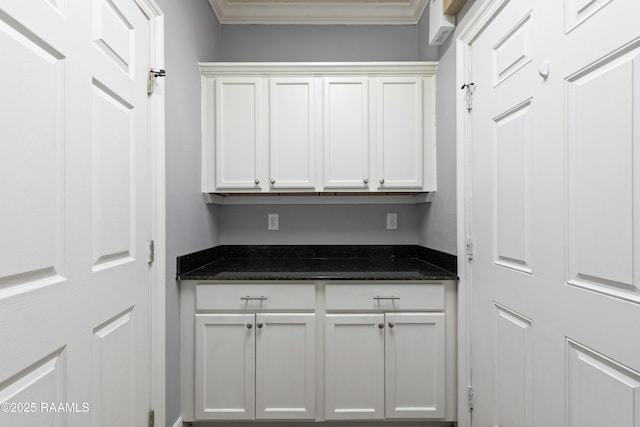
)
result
[(385, 297), (293, 296)]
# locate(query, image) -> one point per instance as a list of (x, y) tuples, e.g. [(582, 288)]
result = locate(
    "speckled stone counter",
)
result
[(317, 262)]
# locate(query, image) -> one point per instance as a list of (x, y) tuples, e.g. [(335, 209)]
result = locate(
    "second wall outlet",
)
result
[(392, 221), (273, 222)]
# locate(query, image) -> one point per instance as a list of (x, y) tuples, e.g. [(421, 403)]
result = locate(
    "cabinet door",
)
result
[(286, 371), (346, 132), (237, 112), (415, 365), (400, 133), (291, 133), (354, 367), (225, 366)]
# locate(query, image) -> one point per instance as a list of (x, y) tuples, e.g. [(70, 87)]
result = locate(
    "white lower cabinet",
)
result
[(354, 366), (225, 366), (414, 365), (285, 366), (384, 366), (255, 366), (318, 351)]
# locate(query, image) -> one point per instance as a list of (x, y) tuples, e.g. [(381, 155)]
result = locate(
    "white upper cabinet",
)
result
[(399, 123), (292, 138), (346, 133), (314, 127), (233, 138)]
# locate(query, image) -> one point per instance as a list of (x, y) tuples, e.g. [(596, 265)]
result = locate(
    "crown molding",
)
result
[(319, 12)]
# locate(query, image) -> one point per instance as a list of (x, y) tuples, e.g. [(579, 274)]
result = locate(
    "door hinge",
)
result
[(151, 77), (152, 251), (470, 397), (468, 97), (469, 248), (152, 418)]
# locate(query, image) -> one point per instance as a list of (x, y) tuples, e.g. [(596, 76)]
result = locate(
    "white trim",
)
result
[(157, 230), (467, 36), (178, 422), (236, 69), (362, 12), (314, 199)]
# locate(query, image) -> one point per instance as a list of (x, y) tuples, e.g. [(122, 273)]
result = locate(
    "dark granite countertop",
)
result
[(326, 262)]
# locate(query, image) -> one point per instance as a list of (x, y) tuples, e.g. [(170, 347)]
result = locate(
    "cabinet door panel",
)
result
[(354, 367), (237, 112), (399, 133), (346, 132), (285, 373), (292, 133), (415, 365), (225, 366)]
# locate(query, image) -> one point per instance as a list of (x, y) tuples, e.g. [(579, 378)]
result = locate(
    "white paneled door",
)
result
[(74, 213), (555, 214)]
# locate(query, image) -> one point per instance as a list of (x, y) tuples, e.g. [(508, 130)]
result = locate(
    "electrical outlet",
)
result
[(273, 222), (392, 221)]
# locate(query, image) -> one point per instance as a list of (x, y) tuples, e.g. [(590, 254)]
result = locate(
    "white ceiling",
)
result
[(359, 12)]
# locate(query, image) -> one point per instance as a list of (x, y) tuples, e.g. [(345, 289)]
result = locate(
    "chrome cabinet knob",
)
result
[(272, 181), (249, 326), (257, 181), (366, 180), (391, 324), (381, 325), (259, 325), (382, 181)]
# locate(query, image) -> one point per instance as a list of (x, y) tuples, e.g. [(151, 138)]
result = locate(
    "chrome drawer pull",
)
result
[(389, 297), (250, 298)]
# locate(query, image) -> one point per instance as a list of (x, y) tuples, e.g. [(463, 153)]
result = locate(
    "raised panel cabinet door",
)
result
[(237, 134), (346, 132), (225, 367), (292, 133), (354, 366), (400, 133), (415, 365), (285, 366)]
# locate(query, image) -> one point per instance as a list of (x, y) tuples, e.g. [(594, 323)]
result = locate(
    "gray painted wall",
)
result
[(437, 225), (318, 224), (191, 34), (320, 43)]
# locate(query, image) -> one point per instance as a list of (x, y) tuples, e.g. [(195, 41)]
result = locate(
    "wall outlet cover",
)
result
[(273, 222), (392, 221)]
